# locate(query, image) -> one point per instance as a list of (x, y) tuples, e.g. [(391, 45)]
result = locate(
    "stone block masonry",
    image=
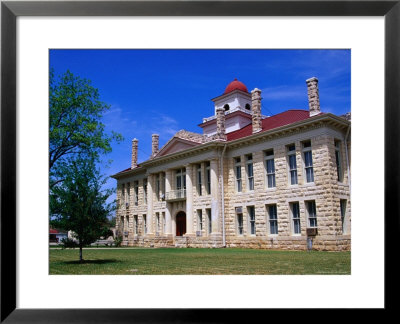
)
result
[(325, 191), (134, 153), (313, 96), (266, 188), (256, 110)]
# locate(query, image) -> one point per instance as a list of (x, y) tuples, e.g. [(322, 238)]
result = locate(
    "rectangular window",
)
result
[(181, 179), (209, 221), (136, 225), (158, 187), (239, 217), (295, 210), (144, 224), (158, 223), (238, 174), (312, 213), (272, 219), (199, 220), (250, 175), (136, 192), (122, 225), (164, 223), (291, 151), (252, 220), (338, 161), (343, 204), (270, 168), (308, 163), (199, 178), (162, 186), (208, 178), (145, 191), (123, 195), (126, 194)]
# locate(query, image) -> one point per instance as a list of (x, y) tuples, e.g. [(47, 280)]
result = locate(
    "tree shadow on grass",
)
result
[(101, 261)]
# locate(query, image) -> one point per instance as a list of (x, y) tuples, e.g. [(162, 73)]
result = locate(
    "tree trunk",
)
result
[(80, 253)]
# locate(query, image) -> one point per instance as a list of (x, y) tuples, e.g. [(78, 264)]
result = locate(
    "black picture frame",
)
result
[(10, 10)]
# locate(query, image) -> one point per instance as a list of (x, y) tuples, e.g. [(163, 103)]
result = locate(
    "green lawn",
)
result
[(197, 261)]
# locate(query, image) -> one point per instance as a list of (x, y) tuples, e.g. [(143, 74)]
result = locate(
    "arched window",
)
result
[(226, 107), (247, 106)]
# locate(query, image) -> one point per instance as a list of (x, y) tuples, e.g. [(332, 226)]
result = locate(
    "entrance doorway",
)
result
[(180, 223)]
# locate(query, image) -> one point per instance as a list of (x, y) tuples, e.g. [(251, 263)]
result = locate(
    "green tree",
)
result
[(113, 221), (107, 232), (75, 123), (79, 204)]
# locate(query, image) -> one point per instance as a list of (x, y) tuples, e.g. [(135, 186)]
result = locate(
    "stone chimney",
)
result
[(313, 96), (154, 144), (134, 153), (221, 124), (256, 110)]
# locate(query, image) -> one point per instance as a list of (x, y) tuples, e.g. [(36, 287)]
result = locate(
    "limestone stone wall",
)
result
[(326, 191)]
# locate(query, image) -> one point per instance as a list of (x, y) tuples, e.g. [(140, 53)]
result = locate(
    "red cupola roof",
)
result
[(235, 85)]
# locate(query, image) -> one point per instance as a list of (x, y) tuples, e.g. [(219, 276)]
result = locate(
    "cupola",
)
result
[(235, 85), (235, 102)]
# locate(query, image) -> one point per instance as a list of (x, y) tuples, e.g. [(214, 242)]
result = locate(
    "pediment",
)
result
[(176, 145)]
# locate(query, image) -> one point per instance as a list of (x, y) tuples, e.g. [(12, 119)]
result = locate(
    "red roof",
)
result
[(53, 231), (235, 85), (282, 119), (128, 169)]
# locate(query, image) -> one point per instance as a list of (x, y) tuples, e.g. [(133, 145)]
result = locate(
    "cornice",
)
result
[(292, 129), (319, 121), (225, 95), (171, 157)]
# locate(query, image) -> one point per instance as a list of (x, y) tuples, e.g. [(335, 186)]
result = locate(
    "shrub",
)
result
[(69, 243), (118, 241)]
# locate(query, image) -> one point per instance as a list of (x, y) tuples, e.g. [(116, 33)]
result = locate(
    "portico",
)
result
[(182, 185)]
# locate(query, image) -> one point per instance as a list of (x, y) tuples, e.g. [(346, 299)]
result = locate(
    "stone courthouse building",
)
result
[(249, 180)]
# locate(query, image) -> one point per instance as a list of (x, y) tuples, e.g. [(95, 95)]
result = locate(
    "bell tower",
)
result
[(235, 97), (236, 103)]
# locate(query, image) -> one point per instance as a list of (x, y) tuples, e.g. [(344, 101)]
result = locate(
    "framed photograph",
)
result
[(370, 30)]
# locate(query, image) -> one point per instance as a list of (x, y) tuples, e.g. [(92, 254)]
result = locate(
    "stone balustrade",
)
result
[(175, 195)]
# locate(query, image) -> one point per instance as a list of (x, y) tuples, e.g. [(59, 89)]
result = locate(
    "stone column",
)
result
[(134, 153), (189, 199), (119, 208), (150, 179), (256, 110), (168, 220), (313, 96), (154, 144), (221, 124), (214, 196)]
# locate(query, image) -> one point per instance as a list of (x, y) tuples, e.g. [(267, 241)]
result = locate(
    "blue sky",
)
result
[(164, 91)]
